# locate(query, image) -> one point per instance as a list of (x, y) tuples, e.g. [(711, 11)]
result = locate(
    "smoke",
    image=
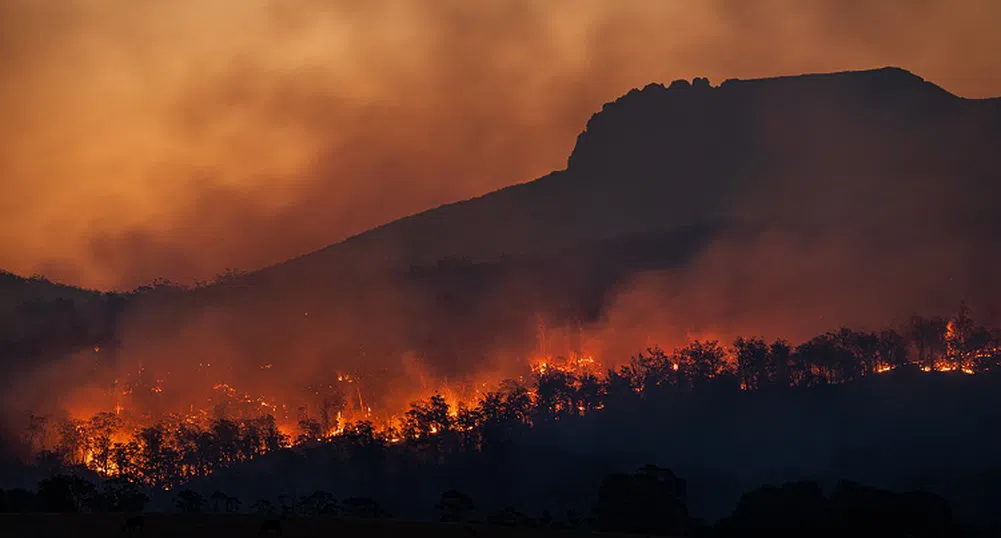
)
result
[(176, 138)]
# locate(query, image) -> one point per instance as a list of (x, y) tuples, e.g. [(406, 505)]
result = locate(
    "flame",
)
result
[(234, 398)]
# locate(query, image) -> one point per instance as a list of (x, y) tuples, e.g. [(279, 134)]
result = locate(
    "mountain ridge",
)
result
[(887, 94)]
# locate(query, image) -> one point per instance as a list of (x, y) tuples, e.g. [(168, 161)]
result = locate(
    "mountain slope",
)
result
[(806, 148), (777, 207)]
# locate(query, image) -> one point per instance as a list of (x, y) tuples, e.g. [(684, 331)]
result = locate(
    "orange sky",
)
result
[(174, 138)]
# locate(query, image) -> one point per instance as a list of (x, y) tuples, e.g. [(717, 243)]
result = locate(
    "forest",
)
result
[(114, 461)]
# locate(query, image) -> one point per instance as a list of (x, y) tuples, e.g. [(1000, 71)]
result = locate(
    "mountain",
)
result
[(806, 149), (785, 206)]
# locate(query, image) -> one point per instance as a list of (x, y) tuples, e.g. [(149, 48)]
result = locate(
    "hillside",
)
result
[(790, 151), (905, 430), (808, 202), (780, 207)]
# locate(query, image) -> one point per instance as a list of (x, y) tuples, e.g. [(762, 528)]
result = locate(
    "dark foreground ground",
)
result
[(225, 526)]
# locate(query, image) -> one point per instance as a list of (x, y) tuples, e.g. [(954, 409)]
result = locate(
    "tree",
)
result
[(20, 501), (119, 495), (363, 507), (752, 362), (189, 502), (928, 337), (555, 394), (468, 422), (158, 459), (218, 500), (650, 370), (36, 431), (455, 505), (859, 351), (573, 519), (330, 411), (72, 444), (263, 507), (590, 393), (65, 493), (891, 350), (99, 432), (651, 501), (318, 503), (702, 361), (426, 418), (793, 509), (885, 513), (309, 431), (779, 369), (125, 457), (228, 441), (823, 355)]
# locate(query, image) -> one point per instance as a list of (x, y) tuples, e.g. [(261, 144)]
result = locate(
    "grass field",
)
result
[(224, 526)]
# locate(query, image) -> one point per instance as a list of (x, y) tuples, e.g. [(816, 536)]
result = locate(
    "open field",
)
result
[(225, 526)]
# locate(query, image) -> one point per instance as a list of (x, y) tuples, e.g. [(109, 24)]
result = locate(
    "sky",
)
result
[(177, 138)]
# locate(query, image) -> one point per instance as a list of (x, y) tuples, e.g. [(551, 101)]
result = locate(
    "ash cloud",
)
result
[(177, 138)]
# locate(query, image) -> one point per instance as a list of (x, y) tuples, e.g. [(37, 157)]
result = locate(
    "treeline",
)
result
[(431, 432), (650, 501), (40, 318)]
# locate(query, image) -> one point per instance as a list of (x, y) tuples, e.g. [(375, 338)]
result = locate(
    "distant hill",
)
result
[(867, 146), (787, 205), (15, 289), (790, 204)]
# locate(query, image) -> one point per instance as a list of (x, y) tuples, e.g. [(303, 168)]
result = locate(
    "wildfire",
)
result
[(333, 405), (576, 363)]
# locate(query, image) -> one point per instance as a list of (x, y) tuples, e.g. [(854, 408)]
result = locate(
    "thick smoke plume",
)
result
[(176, 138)]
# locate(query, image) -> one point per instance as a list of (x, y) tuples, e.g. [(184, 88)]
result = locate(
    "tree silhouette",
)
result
[(263, 507), (318, 503), (881, 512), (158, 459), (73, 440), (779, 371), (555, 394), (65, 493), (309, 431), (20, 501), (651, 501), (928, 336), (218, 500), (752, 362), (99, 432), (36, 431), (702, 361), (590, 393), (859, 352), (793, 509), (454, 506), (510, 517), (119, 495), (330, 407), (891, 349), (363, 507), (189, 502)]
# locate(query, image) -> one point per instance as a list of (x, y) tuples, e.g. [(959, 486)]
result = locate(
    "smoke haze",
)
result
[(177, 138)]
